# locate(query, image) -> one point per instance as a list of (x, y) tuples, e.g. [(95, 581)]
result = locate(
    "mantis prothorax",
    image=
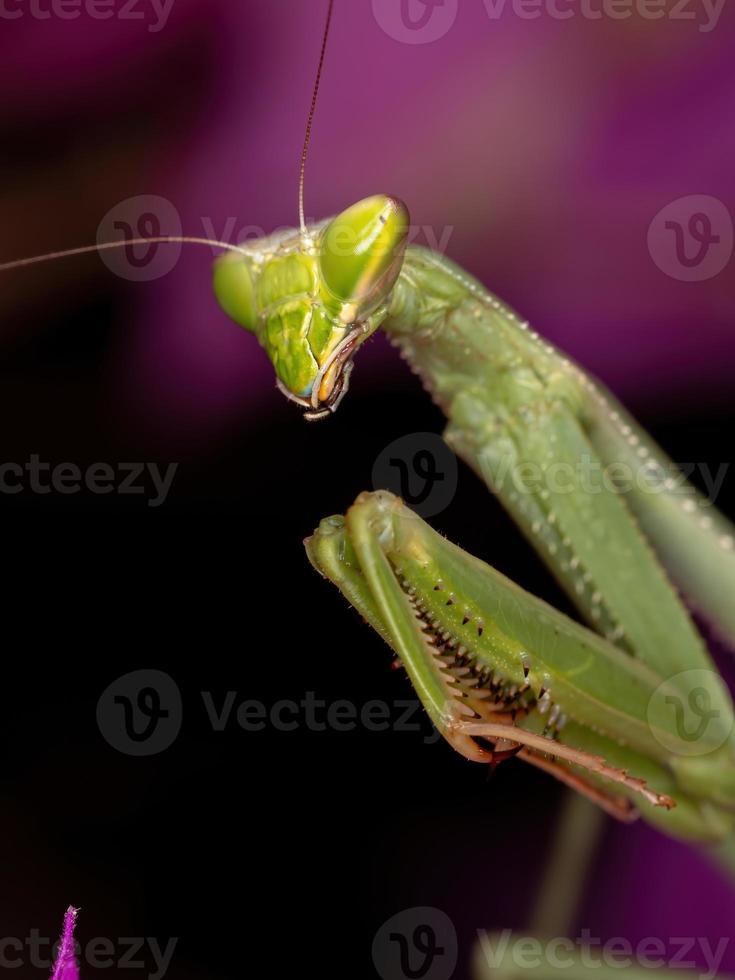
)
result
[(610, 709)]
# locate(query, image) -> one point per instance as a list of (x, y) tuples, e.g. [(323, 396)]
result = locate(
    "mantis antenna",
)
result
[(86, 249), (310, 119), (188, 240)]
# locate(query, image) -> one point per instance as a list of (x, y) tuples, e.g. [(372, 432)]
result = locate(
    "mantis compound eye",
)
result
[(313, 302), (361, 254), (234, 289)]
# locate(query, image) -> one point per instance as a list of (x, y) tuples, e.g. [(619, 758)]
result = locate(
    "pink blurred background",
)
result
[(541, 150)]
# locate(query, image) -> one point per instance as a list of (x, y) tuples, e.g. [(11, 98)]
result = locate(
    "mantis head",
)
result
[(313, 299)]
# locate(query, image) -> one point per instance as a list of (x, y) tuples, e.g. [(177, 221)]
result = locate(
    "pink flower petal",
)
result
[(65, 967)]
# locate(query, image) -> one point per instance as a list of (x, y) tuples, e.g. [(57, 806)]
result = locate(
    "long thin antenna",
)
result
[(310, 120), (86, 249)]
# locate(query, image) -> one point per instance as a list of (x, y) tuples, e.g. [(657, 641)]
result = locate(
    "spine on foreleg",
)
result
[(518, 414)]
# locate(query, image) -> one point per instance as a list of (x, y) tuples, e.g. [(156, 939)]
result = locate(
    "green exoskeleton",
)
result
[(629, 709), (633, 710)]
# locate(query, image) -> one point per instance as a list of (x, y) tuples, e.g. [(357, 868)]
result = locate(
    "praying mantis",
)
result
[(630, 709), (498, 671)]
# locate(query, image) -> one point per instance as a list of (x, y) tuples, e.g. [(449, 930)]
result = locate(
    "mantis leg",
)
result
[(549, 475), (553, 446), (694, 541), (498, 669)]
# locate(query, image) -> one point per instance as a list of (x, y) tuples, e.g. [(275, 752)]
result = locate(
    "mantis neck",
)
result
[(463, 341)]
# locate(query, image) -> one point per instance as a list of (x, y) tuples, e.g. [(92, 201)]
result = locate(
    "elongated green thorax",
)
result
[(312, 300)]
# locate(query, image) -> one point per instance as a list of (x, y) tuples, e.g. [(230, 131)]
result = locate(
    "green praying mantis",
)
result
[(629, 710), (500, 672)]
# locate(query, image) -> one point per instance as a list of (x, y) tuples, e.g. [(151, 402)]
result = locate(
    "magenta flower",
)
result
[(65, 967)]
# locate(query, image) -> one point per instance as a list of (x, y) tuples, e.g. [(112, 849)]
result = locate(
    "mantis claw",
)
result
[(578, 757), (503, 674), (619, 807)]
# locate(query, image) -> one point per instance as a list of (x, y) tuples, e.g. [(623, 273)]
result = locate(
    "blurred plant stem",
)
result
[(578, 831), (722, 855)]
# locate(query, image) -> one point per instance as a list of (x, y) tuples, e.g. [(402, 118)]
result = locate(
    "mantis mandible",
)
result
[(629, 710)]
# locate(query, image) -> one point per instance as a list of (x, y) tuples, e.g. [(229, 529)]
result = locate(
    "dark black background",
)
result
[(268, 851)]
